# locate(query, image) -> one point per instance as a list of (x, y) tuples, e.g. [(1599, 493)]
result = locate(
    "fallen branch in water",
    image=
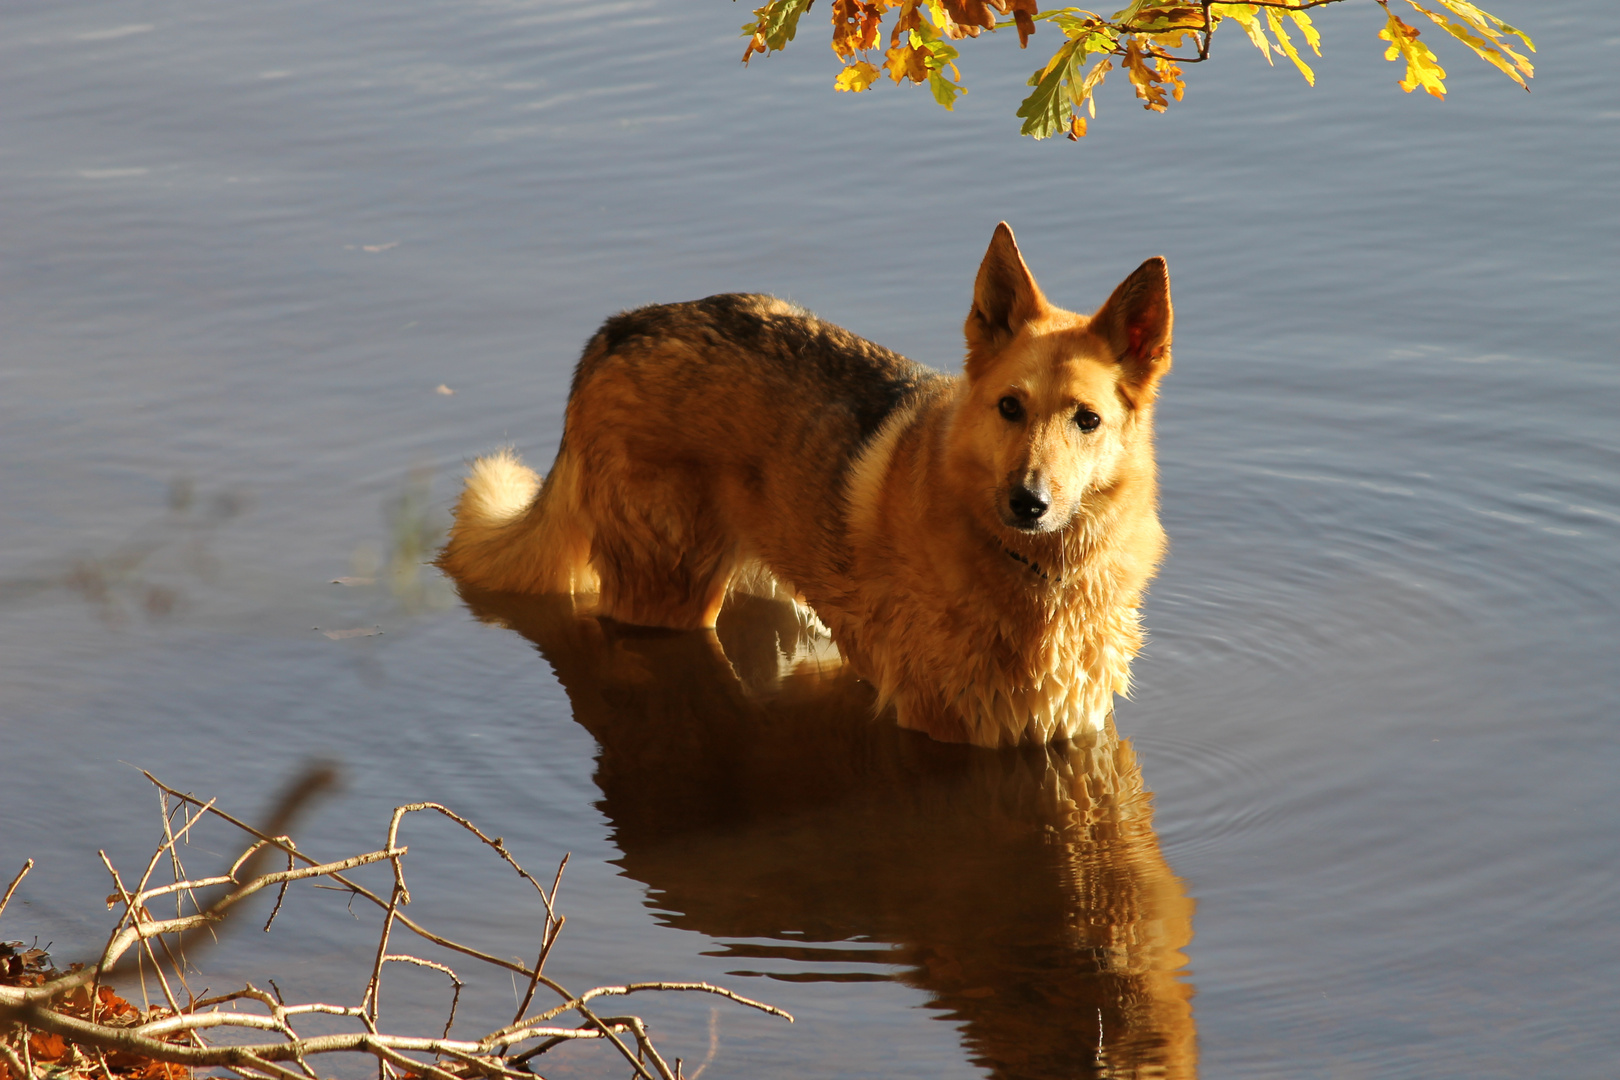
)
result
[(80, 1028)]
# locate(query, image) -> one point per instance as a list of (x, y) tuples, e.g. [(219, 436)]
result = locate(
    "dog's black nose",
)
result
[(1027, 506)]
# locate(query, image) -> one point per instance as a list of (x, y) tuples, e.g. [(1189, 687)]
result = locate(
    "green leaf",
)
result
[(942, 55), (1046, 112), (944, 90), (777, 22)]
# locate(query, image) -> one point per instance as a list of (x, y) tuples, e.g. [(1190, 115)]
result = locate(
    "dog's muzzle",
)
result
[(1026, 506)]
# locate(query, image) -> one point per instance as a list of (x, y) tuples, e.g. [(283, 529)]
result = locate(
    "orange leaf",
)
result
[(47, 1046), (910, 18), (1145, 79), (856, 24), (1026, 27), (905, 62), (971, 15)]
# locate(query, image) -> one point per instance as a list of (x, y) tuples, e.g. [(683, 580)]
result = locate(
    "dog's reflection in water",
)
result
[(1023, 890)]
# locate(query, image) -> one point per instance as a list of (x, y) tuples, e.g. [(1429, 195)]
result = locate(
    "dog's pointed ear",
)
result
[(1137, 321), (1005, 297)]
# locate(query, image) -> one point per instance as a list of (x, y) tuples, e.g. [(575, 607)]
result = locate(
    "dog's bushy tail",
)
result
[(513, 533)]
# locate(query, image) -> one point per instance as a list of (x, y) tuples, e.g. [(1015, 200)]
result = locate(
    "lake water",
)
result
[(1363, 821)]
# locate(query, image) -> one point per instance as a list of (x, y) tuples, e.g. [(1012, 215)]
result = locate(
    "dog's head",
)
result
[(1056, 405)]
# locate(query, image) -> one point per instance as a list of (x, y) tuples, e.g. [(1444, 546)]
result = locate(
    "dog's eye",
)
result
[(1011, 408), (1086, 420)]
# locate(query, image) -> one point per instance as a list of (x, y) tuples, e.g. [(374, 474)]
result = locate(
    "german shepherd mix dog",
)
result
[(976, 545)]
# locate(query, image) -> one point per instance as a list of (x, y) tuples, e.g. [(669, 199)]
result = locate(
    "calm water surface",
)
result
[(1363, 818)]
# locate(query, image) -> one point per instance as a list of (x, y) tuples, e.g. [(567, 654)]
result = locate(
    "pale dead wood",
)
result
[(134, 912), (15, 1063), (361, 891), (554, 925), (178, 1034), (16, 881)]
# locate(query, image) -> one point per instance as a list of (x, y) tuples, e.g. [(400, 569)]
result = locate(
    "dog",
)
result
[(977, 546)]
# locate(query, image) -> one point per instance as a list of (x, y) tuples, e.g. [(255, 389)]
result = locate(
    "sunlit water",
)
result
[(1364, 821)]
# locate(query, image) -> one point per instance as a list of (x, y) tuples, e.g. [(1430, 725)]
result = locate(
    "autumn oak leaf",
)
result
[(971, 15), (1150, 39), (907, 62), (857, 77), (856, 26), (1422, 67)]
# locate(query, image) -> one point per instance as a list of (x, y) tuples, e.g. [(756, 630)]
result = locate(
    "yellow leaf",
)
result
[(1174, 39), (1144, 78), (857, 77), (908, 61), (1490, 51), (1488, 24), (1247, 16), (1313, 38), (1170, 75), (1422, 69), (1089, 84), (1287, 44)]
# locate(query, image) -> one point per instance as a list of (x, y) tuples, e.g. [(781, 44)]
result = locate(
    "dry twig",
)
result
[(29, 865), (98, 1034)]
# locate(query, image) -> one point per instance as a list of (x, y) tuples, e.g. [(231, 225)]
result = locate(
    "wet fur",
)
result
[(740, 442)]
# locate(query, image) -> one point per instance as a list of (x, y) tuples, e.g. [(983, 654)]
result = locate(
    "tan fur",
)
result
[(706, 441)]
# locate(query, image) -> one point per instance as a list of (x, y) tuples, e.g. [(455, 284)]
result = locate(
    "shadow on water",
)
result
[(150, 570), (1024, 891)]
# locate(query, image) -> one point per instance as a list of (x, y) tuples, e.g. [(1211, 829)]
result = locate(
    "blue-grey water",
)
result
[(1365, 821)]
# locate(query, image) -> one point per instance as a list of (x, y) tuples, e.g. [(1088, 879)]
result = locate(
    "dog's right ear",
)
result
[(1005, 297), (1137, 320)]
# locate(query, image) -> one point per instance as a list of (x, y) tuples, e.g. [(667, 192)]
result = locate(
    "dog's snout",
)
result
[(1027, 504)]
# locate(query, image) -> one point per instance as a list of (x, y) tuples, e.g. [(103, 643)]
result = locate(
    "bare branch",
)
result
[(362, 891), (175, 1034), (495, 844), (14, 1062), (554, 925), (27, 866), (281, 896)]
